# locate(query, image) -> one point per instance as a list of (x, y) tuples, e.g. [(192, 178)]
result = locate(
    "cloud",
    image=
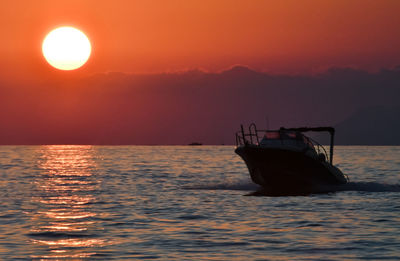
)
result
[(180, 108)]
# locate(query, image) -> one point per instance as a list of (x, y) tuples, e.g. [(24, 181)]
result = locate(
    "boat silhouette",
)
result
[(285, 161)]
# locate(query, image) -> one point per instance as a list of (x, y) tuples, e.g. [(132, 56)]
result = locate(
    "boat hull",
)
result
[(281, 171)]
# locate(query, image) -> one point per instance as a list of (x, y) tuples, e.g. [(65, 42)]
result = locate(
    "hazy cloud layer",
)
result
[(191, 106)]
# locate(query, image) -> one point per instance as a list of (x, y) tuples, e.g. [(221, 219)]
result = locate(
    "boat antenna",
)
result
[(332, 132), (243, 136)]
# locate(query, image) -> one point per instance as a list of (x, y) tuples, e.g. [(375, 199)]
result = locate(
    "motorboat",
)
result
[(195, 144), (286, 161)]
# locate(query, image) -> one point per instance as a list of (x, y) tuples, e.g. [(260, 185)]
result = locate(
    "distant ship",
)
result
[(195, 144), (285, 161)]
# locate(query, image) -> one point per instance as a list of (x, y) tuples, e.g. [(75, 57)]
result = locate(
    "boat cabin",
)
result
[(292, 139)]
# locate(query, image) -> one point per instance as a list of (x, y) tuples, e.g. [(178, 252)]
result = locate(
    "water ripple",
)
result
[(185, 203)]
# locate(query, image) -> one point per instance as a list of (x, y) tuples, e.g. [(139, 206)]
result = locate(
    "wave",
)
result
[(51, 234)]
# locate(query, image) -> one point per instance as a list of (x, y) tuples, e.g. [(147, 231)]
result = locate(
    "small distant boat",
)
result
[(195, 144), (285, 161)]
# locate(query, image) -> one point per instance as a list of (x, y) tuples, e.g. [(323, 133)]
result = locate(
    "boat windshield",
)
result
[(283, 135), (294, 138)]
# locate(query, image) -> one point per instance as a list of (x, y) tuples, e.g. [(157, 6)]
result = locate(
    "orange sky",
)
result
[(287, 36)]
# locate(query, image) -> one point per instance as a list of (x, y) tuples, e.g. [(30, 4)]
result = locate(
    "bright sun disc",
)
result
[(66, 48)]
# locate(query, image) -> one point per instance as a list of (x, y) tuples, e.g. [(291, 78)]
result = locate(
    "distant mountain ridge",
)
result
[(371, 126)]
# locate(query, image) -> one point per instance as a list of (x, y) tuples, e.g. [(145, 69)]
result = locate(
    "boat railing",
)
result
[(252, 137), (320, 149)]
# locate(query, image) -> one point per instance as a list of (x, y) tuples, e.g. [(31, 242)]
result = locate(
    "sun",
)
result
[(66, 48)]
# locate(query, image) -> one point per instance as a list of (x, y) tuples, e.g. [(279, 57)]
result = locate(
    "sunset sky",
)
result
[(156, 36), (123, 96)]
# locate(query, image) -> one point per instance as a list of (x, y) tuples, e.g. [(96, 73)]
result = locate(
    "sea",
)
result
[(64, 202)]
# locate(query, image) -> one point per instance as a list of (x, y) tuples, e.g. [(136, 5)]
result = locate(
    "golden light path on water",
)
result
[(64, 226)]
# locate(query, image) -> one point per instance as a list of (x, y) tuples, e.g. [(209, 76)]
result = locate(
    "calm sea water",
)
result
[(189, 203)]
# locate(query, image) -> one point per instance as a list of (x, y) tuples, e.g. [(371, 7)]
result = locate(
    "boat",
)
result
[(286, 162), (195, 144)]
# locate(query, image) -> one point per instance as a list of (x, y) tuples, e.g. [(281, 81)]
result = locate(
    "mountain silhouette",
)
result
[(371, 126)]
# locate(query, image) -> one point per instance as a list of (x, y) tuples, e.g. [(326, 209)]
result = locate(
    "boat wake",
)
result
[(236, 185), (369, 187), (351, 186), (256, 190)]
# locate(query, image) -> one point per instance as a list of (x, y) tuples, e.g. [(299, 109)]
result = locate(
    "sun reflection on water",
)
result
[(66, 191)]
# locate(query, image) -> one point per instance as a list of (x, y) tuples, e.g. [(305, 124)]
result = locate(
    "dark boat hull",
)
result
[(281, 171)]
